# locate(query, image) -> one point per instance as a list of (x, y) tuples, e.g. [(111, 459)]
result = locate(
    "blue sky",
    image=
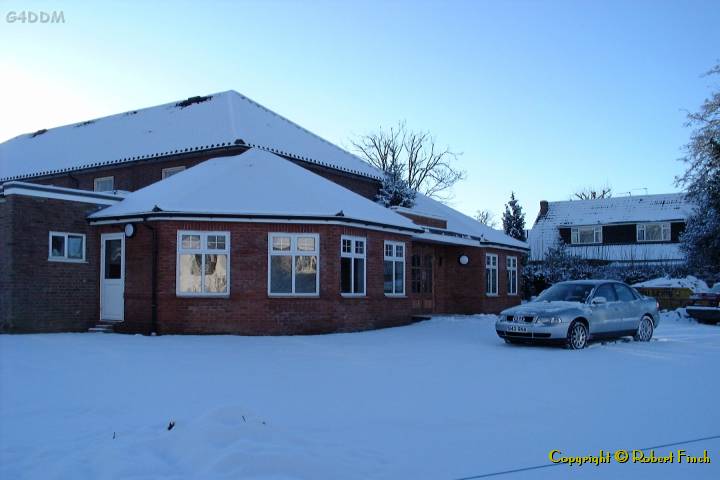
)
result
[(542, 98)]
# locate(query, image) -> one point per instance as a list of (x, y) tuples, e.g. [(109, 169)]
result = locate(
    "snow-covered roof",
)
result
[(607, 211), (644, 208), (461, 229), (220, 120), (255, 183)]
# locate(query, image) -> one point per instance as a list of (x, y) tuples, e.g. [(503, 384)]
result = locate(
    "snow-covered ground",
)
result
[(442, 399)]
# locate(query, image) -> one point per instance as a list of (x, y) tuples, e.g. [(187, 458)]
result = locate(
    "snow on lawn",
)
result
[(442, 399)]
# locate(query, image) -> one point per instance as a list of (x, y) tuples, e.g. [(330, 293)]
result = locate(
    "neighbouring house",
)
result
[(216, 215), (642, 229)]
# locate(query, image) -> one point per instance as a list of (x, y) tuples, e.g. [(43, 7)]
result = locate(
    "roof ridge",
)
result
[(244, 97), (618, 198), (113, 115)]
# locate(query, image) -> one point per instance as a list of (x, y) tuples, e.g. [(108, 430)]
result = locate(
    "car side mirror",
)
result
[(599, 301)]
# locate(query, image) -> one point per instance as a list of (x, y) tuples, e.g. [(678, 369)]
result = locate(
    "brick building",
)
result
[(216, 215)]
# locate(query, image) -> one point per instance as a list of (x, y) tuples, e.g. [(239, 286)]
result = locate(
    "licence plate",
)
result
[(516, 328)]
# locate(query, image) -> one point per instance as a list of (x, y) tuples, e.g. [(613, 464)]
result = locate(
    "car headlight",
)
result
[(548, 320)]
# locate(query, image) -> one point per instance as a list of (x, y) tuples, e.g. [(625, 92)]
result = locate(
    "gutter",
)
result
[(337, 219), (481, 240)]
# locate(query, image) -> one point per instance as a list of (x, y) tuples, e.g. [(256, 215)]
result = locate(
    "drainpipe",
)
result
[(154, 278)]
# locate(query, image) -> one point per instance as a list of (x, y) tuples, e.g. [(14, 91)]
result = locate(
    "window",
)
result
[(624, 294), (293, 264), (203, 264), (586, 235), (394, 268), (491, 274), (653, 232), (607, 291), (421, 273), (104, 184), (170, 171), (352, 265), (512, 275), (66, 247)]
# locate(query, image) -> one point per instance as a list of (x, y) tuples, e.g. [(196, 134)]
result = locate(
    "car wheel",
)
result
[(645, 330), (577, 336)]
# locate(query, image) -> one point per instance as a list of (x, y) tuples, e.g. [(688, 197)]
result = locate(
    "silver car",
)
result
[(575, 312)]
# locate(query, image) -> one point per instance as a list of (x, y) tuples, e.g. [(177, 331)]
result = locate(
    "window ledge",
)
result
[(493, 295), (293, 295), (396, 295), (353, 295), (66, 260), (202, 295)]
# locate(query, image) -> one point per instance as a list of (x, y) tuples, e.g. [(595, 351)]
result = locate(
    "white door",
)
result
[(112, 276)]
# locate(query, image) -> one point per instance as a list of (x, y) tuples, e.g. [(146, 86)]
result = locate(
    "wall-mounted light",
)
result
[(463, 260), (129, 230)]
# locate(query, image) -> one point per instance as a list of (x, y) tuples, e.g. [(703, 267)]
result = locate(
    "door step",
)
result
[(102, 327)]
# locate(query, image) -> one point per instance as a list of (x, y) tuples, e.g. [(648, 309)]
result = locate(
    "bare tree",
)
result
[(486, 217), (427, 168), (591, 193)]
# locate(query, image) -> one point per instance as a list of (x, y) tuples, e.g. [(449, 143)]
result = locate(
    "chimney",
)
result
[(543, 208)]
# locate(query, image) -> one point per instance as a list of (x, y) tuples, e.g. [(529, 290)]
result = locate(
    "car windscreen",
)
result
[(566, 292)]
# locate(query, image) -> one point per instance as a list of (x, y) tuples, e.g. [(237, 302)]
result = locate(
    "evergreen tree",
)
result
[(395, 191), (701, 239), (514, 219)]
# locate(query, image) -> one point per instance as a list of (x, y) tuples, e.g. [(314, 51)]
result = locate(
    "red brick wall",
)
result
[(130, 176), (138, 174), (6, 263), (39, 295), (461, 288), (250, 310)]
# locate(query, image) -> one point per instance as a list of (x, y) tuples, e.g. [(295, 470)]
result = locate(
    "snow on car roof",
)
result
[(254, 183), (467, 230), (219, 120)]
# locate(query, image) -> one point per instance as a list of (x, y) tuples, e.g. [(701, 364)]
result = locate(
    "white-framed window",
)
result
[(170, 171), (203, 264), (104, 184), (394, 268), (293, 264), (352, 265), (586, 235), (512, 275), (491, 274), (66, 247), (653, 232)]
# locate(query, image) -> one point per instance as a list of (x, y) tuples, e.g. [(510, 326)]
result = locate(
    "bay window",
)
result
[(394, 268), (653, 232), (491, 274), (586, 235), (203, 264), (293, 264), (352, 265)]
